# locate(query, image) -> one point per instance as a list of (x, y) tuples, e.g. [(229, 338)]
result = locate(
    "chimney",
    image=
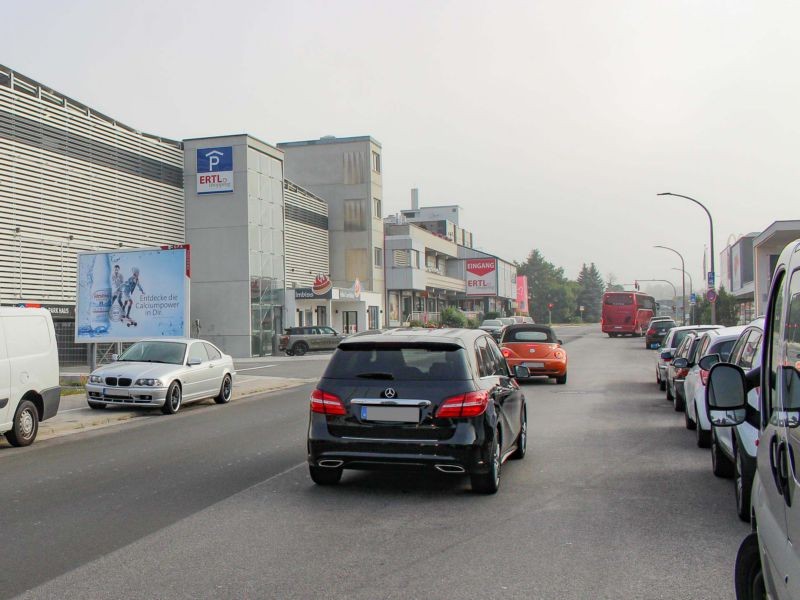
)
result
[(414, 199)]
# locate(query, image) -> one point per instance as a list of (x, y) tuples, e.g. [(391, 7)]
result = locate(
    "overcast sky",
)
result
[(553, 124)]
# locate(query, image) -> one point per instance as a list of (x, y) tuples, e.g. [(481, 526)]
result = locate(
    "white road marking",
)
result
[(255, 368)]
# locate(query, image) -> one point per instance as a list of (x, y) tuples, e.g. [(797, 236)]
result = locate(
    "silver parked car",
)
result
[(163, 373), (299, 340)]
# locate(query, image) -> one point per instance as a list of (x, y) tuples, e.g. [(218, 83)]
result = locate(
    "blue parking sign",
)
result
[(215, 170)]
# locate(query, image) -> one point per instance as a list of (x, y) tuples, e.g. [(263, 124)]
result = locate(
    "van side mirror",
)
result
[(708, 361), (726, 395), (680, 363), (666, 355)]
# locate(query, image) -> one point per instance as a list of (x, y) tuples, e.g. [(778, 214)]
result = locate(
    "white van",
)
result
[(768, 562), (29, 383)]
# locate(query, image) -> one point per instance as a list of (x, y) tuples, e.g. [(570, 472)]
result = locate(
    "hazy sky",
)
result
[(553, 124)]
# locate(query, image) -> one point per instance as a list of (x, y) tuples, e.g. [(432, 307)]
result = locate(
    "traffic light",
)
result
[(550, 306), (636, 285)]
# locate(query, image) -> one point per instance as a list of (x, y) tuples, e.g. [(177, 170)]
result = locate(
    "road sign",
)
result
[(693, 299), (711, 279), (581, 308), (711, 296)]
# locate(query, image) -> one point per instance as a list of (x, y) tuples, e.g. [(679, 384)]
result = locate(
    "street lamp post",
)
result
[(691, 293), (711, 228), (683, 270)]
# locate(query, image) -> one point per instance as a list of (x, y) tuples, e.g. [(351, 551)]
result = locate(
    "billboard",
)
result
[(522, 294), (736, 266), (126, 295), (481, 276), (215, 170)]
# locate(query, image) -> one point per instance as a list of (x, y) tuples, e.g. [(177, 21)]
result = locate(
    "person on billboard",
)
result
[(127, 290), (117, 281)]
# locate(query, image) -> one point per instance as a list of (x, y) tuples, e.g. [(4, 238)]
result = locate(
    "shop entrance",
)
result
[(350, 321)]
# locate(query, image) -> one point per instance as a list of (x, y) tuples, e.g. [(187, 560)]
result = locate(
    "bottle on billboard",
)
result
[(100, 300)]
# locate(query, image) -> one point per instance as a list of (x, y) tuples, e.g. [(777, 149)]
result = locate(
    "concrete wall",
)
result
[(221, 229)]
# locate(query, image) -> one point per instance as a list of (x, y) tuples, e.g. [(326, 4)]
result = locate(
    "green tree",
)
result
[(726, 309), (548, 285), (590, 292)]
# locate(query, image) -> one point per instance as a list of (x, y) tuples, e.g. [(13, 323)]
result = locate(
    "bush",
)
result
[(415, 323), (452, 317), (491, 315), (473, 323)]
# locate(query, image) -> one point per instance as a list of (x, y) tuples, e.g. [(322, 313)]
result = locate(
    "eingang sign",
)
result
[(481, 276)]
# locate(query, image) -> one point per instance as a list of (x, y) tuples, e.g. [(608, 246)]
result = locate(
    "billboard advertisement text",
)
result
[(128, 295), (522, 294), (481, 276)]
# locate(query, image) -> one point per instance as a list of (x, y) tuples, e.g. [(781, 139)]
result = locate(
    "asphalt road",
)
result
[(614, 500)]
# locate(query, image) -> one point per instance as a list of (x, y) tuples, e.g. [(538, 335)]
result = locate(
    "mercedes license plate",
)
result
[(398, 414)]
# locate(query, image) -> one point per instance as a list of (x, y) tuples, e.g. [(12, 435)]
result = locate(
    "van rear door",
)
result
[(5, 380)]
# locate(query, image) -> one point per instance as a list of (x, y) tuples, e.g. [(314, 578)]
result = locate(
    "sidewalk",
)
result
[(75, 416)]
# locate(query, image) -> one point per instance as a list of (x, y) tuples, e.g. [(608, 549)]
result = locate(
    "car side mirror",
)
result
[(726, 395), (560, 342), (521, 372), (708, 361), (114, 357), (680, 363), (193, 362), (666, 355)]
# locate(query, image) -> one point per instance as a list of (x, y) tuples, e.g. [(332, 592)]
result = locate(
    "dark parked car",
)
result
[(299, 340), (494, 327), (440, 399), (657, 330)]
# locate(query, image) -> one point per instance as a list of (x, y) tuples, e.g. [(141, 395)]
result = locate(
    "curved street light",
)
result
[(711, 227), (683, 270)]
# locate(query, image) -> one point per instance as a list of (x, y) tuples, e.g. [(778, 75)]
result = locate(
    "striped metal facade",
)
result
[(72, 179), (307, 245)]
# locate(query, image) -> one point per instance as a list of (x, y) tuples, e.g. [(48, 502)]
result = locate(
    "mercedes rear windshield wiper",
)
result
[(375, 375)]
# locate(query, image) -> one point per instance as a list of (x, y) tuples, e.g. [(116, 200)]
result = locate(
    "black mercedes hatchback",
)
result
[(440, 399)]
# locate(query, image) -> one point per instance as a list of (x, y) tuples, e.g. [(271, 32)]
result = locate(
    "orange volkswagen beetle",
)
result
[(535, 347)]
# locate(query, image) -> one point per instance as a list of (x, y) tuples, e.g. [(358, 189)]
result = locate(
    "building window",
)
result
[(415, 259), (378, 257), (401, 258), (353, 215), (376, 162), (377, 202)]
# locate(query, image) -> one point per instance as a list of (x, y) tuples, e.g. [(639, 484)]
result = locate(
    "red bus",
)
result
[(627, 313)]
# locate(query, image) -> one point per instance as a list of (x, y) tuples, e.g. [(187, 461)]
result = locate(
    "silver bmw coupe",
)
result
[(163, 373)]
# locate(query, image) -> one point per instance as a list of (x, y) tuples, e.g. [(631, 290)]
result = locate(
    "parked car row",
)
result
[(739, 389), (496, 326)]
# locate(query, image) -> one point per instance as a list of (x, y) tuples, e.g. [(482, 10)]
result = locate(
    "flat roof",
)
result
[(89, 110), (781, 232), (433, 207), (330, 139), (217, 137)]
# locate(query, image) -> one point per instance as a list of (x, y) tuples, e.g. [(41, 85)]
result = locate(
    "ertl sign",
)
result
[(481, 276), (215, 170)]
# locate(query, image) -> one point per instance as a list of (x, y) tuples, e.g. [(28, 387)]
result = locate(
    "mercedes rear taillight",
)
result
[(326, 403), (470, 404)]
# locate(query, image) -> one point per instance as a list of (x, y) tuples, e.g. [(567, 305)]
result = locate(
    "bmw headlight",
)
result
[(149, 382), (95, 379)]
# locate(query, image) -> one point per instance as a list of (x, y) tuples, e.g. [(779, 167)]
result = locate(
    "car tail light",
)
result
[(506, 352), (326, 403), (704, 376), (470, 404), (651, 331), (681, 372), (558, 354)]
